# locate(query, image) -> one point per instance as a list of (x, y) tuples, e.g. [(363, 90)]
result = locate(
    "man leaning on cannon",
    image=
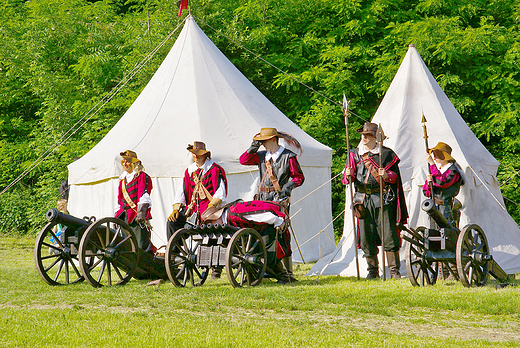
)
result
[(367, 176)]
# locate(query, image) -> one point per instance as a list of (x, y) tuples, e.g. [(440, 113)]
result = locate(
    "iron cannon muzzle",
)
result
[(429, 207), (53, 215)]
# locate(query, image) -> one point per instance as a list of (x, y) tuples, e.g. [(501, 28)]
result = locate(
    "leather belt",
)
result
[(368, 190), (267, 189)]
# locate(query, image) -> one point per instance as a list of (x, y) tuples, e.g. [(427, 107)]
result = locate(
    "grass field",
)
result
[(324, 312)]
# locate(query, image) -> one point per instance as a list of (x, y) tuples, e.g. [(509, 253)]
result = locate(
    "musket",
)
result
[(380, 136), (423, 120), (346, 115)]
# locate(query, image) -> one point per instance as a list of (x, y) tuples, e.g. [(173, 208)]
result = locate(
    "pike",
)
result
[(423, 121), (346, 115), (380, 136)]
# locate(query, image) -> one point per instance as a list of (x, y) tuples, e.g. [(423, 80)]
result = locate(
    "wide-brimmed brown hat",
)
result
[(445, 149), (198, 148), (130, 156), (266, 134), (368, 128)]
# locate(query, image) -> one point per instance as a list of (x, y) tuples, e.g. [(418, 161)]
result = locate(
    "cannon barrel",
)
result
[(429, 207), (53, 215)]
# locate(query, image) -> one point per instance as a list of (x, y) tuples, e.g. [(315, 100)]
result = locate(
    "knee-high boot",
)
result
[(373, 267), (394, 264), (287, 263), (281, 273)]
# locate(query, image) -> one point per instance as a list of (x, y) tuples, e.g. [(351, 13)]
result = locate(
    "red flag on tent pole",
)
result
[(183, 5)]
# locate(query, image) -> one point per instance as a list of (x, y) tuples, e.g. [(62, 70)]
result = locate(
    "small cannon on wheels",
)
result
[(192, 251), (465, 253), (104, 252)]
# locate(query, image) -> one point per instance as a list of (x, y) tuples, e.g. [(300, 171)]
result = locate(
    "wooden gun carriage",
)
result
[(105, 252), (465, 253)]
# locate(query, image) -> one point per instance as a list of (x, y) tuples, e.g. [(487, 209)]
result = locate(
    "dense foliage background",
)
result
[(59, 59)]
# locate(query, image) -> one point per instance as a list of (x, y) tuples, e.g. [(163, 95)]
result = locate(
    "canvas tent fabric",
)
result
[(414, 91), (197, 94)]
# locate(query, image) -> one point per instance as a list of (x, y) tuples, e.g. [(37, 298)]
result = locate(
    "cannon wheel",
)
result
[(246, 258), (181, 260), (108, 253), (56, 261), (472, 248), (421, 272)]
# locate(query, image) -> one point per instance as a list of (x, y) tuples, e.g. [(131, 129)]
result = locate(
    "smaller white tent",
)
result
[(414, 91), (197, 94)]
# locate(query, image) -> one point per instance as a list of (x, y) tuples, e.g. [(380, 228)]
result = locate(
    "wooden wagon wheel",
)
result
[(181, 260), (56, 262), (108, 253), (246, 258), (471, 256), (421, 271)]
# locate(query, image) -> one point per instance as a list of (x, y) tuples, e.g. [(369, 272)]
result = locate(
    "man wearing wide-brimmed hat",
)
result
[(364, 171), (204, 185), (446, 177), (133, 197), (279, 169)]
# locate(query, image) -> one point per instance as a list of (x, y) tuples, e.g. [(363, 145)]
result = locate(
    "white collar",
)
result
[(362, 149), (443, 168), (275, 155), (128, 176), (205, 167)]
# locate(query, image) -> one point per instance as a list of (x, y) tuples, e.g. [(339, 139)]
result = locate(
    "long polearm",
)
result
[(346, 116), (423, 121), (380, 136)]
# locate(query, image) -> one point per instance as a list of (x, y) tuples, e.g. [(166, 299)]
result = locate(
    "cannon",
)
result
[(192, 251), (105, 252), (465, 253)]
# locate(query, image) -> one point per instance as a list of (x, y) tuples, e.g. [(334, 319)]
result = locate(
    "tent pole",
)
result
[(346, 116)]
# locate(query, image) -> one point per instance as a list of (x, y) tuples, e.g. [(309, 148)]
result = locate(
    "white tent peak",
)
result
[(412, 93), (197, 94)]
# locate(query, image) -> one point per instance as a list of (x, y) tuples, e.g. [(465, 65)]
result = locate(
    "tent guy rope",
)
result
[(92, 112)]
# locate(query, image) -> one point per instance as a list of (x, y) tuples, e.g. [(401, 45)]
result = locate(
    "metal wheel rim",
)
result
[(246, 244), (420, 272), (180, 260), (472, 241), (108, 253), (55, 262)]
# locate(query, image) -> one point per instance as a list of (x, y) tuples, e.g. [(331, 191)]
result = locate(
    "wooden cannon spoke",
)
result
[(60, 267), (121, 243), (54, 263), (76, 270), (100, 239), (100, 275), (118, 272)]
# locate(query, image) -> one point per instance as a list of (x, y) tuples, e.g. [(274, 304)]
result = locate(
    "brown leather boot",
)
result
[(287, 263), (373, 267), (394, 264), (281, 273)]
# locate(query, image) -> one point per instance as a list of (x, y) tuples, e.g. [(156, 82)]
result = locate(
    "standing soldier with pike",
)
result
[(372, 167)]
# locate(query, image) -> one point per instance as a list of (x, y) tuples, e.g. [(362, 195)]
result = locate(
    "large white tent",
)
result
[(413, 92), (197, 94)]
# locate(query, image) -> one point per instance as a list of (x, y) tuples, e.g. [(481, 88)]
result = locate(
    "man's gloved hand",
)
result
[(215, 202), (141, 214), (286, 190), (255, 145), (175, 213)]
